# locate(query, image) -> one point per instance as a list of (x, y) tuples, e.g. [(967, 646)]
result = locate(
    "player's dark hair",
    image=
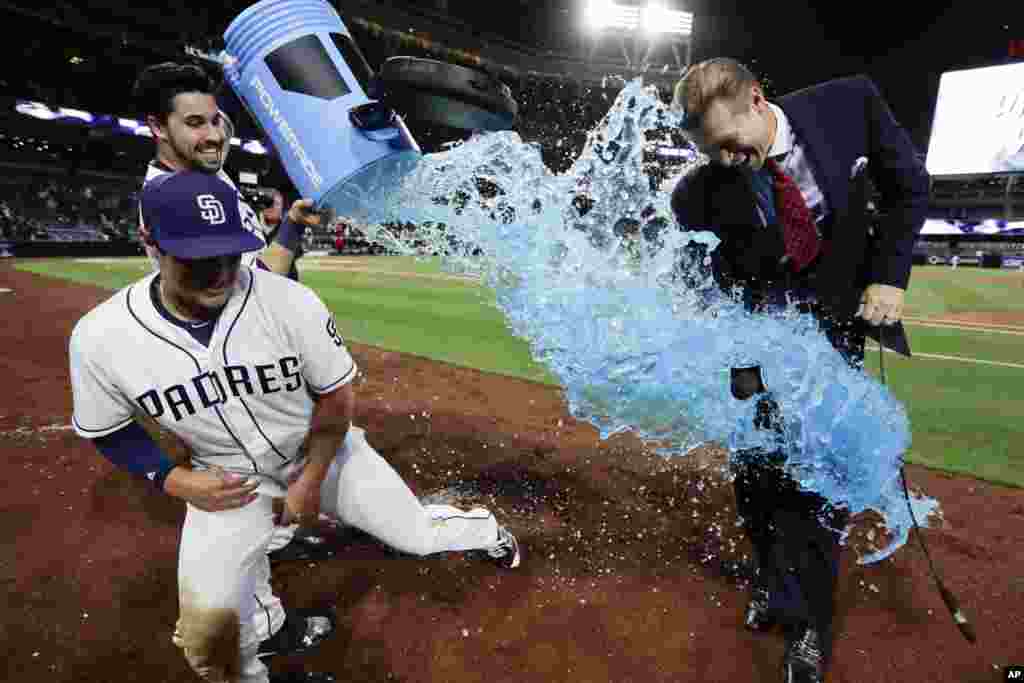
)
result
[(157, 86)]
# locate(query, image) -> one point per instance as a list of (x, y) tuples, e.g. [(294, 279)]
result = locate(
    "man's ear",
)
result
[(758, 100), (156, 128)]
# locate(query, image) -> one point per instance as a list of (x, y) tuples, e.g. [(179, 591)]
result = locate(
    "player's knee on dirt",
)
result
[(210, 640)]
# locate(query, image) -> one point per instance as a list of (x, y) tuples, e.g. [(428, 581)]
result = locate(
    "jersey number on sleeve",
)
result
[(332, 331)]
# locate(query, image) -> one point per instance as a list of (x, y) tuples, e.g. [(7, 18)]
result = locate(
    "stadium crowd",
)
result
[(43, 208)]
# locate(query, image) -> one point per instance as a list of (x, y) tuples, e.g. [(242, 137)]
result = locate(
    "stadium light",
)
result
[(36, 110), (603, 14), (83, 116), (659, 19)]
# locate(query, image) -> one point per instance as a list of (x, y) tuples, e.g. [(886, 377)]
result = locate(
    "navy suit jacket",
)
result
[(837, 122)]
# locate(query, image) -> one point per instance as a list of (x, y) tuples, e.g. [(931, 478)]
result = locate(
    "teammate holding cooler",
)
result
[(250, 371), (192, 133)]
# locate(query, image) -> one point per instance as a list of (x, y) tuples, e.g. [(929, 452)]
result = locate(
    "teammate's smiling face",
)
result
[(197, 288), (194, 134)]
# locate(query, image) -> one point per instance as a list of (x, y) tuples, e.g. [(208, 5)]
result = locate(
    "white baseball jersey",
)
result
[(244, 403), (250, 219)]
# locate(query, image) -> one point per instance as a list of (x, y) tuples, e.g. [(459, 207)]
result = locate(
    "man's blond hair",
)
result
[(707, 81)]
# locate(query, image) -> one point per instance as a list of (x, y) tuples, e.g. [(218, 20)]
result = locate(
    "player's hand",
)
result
[(302, 503), (211, 490), (302, 213), (881, 304)]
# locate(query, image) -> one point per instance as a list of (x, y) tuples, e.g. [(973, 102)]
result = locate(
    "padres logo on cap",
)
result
[(211, 209)]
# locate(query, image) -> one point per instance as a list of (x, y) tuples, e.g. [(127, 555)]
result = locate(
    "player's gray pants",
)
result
[(225, 602)]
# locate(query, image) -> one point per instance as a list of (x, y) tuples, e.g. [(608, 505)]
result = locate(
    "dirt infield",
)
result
[(633, 566)]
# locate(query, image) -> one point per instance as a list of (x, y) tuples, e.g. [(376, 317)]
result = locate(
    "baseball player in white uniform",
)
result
[(192, 133), (249, 370)]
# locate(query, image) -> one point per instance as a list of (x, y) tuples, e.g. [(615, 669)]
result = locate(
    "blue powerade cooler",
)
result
[(296, 68)]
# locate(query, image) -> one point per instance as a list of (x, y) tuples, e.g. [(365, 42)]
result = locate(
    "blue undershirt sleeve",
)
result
[(289, 235), (132, 449)]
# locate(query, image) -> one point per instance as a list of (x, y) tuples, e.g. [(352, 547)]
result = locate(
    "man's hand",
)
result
[(302, 503), (302, 213), (881, 304), (332, 418), (211, 490)]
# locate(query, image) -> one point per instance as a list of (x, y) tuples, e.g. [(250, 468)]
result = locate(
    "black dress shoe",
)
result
[(758, 617), (302, 677), (803, 661), (303, 549), (302, 631)]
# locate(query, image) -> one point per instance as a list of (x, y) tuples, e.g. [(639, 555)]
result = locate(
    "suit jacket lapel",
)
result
[(812, 139)]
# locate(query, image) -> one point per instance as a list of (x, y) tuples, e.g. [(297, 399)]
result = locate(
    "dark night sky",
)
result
[(904, 46)]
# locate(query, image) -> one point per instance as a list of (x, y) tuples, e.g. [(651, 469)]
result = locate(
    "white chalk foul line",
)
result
[(958, 359), (965, 328)]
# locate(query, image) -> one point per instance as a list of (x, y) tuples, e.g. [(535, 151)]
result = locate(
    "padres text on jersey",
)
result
[(244, 402)]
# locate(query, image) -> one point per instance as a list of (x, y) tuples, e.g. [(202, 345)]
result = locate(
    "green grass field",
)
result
[(966, 417), (939, 290)]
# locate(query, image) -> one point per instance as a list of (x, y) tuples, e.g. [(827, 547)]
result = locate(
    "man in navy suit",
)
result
[(786, 191)]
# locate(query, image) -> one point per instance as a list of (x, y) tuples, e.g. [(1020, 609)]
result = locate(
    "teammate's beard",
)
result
[(191, 158)]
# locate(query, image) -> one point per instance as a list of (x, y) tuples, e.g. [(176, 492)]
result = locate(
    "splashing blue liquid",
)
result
[(613, 303)]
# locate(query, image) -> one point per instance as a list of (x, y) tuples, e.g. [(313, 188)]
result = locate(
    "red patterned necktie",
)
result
[(798, 230)]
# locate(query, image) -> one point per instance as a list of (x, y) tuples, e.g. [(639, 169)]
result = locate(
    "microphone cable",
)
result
[(952, 604)]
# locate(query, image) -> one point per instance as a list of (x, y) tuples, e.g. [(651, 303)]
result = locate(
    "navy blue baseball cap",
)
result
[(194, 215)]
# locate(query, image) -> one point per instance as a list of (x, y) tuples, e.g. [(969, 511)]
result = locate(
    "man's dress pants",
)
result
[(795, 533)]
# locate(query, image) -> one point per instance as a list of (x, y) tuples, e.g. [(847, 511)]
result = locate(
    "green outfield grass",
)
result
[(938, 290), (997, 346), (107, 273), (966, 418), (446, 320)]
